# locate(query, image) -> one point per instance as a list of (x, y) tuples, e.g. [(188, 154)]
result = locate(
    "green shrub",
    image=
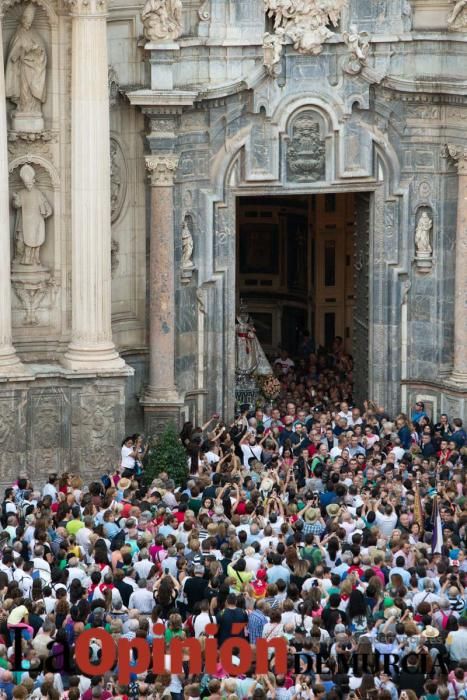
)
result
[(167, 454)]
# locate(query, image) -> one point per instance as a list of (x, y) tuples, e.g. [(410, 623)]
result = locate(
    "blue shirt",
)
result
[(277, 572)]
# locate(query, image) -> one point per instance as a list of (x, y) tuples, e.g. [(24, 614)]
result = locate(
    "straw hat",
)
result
[(430, 632), (124, 484), (311, 515), (333, 509)]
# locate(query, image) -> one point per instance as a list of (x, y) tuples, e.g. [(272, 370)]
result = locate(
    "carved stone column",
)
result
[(9, 362), (161, 398), (459, 375), (91, 346)]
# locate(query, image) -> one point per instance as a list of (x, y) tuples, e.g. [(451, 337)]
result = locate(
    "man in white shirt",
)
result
[(142, 599), (22, 575), (74, 571), (284, 362), (50, 488), (41, 565), (144, 566), (83, 535), (386, 521), (345, 413)]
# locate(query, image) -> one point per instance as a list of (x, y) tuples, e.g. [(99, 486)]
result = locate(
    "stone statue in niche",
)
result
[(306, 152), (187, 247), (32, 209), (422, 235), (25, 75), (162, 20), (423, 246), (187, 264), (457, 20)]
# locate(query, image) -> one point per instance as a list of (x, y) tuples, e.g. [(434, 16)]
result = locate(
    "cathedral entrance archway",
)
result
[(302, 269)]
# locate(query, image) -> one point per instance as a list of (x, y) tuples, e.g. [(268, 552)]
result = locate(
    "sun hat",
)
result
[(311, 515), (430, 632), (124, 484), (333, 509)]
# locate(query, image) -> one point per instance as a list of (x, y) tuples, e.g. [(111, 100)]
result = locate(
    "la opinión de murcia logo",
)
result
[(130, 657)]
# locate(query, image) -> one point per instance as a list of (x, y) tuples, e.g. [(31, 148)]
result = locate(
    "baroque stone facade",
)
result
[(151, 120)]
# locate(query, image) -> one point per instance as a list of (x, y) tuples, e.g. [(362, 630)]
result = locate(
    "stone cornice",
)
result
[(88, 8), (161, 169), (458, 155)]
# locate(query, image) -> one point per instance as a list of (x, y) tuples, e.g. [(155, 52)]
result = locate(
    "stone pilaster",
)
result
[(161, 401), (458, 154), (9, 362), (91, 347)]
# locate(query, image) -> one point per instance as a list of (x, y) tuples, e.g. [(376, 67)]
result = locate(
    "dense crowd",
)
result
[(340, 529)]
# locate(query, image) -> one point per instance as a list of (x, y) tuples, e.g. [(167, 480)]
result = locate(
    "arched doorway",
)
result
[(302, 269)]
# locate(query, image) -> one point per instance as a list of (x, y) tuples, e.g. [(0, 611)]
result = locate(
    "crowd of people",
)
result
[(337, 528)]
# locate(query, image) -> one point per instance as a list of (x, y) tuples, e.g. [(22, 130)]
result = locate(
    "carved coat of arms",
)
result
[(306, 152)]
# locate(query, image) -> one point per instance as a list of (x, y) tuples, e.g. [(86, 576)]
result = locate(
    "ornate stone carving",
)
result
[(25, 75), (31, 288), (114, 86), (204, 12), (358, 44), (98, 423), (118, 179), (162, 20), (272, 51), (114, 259), (88, 7), (457, 20), (306, 152), (162, 169), (423, 246), (456, 154), (305, 22), (32, 209)]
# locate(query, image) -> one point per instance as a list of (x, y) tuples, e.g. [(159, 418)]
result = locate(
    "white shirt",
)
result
[(285, 365), (200, 622), (24, 582), (143, 567), (250, 451), (43, 567), (127, 461), (347, 415), (50, 490), (386, 523), (142, 600)]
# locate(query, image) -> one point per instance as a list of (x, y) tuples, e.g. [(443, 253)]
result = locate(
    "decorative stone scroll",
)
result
[(162, 20), (162, 169), (458, 155), (358, 44), (306, 151), (304, 22), (457, 20)]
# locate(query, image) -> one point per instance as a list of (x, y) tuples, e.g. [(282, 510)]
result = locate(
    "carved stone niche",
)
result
[(306, 148), (424, 240)]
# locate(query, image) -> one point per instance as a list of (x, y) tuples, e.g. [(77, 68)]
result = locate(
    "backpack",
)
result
[(117, 541)]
